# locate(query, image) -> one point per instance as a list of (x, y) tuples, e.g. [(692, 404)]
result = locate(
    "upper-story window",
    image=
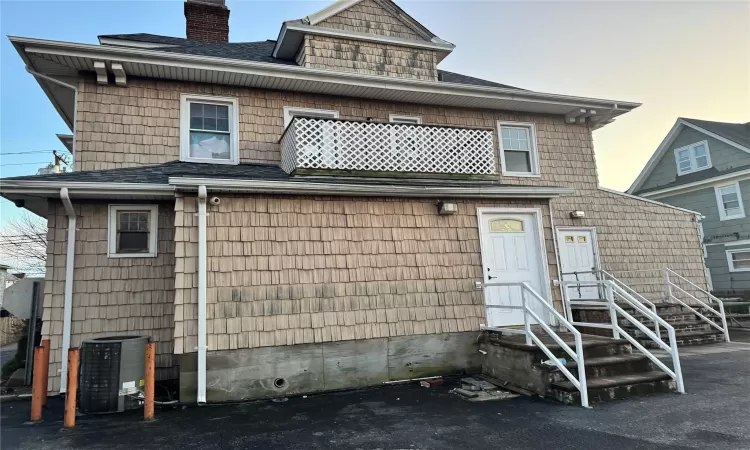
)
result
[(291, 111), (518, 152), (692, 158), (729, 201), (395, 118), (209, 129)]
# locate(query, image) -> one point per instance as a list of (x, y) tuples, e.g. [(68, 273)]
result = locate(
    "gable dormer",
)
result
[(373, 37)]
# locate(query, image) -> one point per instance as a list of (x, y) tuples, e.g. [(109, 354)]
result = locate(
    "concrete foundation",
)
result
[(268, 372)]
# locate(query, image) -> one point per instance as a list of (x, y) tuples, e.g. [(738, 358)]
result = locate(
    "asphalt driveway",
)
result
[(715, 413)]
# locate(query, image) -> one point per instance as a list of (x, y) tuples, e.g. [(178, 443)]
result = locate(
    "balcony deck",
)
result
[(332, 145)]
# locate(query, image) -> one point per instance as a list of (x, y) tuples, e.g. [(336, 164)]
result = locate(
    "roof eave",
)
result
[(428, 92)]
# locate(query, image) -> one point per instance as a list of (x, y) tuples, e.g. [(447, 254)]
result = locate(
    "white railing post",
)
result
[(667, 286), (526, 324), (583, 386), (612, 312), (723, 320), (676, 361)]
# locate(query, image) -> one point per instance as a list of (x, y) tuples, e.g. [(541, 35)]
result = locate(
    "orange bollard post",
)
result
[(70, 395), (45, 369), (148, 406), (37, 386)]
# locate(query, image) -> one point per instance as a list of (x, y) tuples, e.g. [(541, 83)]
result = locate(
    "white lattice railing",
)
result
[(315, 143)]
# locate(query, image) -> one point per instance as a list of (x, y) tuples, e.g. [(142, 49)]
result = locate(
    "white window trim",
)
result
[(720, 203), (112, 230), (730, 262), (533, 153), (692, 159), (234, 128), (396, 117), (291, 111)]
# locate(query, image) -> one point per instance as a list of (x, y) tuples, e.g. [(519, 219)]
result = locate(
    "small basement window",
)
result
[(518, 152), (692, 158), (739, 260), (209, 129), (132, 231)]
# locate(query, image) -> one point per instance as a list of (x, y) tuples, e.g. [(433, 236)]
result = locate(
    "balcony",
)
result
[(315, 145)]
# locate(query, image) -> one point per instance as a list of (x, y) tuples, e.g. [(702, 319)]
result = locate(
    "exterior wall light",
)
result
[(446, 209), (577, 214)]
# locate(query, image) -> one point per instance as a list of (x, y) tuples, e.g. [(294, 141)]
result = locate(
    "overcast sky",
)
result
[(688, 59)]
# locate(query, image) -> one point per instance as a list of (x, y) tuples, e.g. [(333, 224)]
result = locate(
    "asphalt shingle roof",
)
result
[(160, 174), (735, 132), (262, 52), (693, 177)]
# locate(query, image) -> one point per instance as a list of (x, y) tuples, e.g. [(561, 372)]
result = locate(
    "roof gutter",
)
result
[(366, 190), (147, 56), (78, 188)]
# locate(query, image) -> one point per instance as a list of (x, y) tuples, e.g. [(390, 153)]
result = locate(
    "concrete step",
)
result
[(662, 309), (604, 367), (614, 388), (679, 328), (593, 346), (687, 338), (669, 318)]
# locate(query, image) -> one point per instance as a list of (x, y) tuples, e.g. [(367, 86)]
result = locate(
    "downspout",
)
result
[(75, 115), (69, 260), (201, 397), (68, 305)]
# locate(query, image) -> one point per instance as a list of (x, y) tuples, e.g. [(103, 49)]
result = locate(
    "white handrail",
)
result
[(640, 297), (676, 372), (577, 355), (721, 313)]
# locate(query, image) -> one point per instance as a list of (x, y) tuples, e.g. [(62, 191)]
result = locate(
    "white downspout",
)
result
[(68, 308), (202, 294), (68, 305), (75, 116)]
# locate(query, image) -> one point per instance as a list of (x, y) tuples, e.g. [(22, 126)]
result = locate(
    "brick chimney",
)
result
[(207, 20)]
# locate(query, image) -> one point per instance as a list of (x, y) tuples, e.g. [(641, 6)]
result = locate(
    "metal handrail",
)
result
[(721, 313), (676, 372), (640, 297), (577, 355)]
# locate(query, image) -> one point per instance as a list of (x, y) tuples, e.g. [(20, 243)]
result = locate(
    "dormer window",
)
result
[(692, 158), (209, 129)]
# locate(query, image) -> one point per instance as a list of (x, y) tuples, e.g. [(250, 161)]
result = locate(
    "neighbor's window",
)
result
[(518, 153), (132, 230), (692, 158), (729, 201), (739, 260), (208, 129)]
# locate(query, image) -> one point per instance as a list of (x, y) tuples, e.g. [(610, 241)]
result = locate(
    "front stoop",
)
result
[(613, 371)]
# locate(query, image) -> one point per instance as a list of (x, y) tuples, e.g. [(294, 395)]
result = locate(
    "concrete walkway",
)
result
[(715, 413)]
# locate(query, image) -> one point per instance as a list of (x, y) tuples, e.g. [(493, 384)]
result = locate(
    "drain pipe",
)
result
[(68, 305), (202, 295)]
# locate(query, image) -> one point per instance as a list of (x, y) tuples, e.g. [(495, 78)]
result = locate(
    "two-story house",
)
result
[(320, 211), (705, 166)]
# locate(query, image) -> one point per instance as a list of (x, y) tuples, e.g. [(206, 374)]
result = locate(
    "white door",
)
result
[(578, 261), (511, 254)]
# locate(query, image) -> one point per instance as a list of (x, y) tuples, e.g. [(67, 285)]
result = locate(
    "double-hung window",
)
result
[(319, 140), (729, 202), (518, 151), (692, 158), (132, 231), (209, 129), (405, 145), (738, 260)]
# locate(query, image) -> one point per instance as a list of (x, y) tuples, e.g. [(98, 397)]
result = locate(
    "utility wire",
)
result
[(32, 151)]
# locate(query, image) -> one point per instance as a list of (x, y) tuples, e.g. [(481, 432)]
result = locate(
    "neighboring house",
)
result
[(320, 211), (705, 166)]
